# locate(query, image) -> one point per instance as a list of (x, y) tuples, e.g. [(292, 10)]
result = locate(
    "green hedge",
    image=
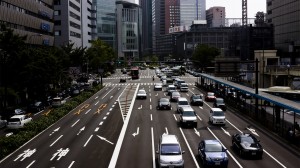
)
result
[(21, 136)]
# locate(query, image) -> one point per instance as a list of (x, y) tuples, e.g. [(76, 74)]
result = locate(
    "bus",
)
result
[(283, 91), (134, 72)]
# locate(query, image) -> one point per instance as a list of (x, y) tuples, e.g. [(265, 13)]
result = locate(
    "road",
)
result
[(113, 129)]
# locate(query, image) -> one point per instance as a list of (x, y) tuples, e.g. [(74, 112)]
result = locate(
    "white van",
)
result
[(58, 101), (169, 152)]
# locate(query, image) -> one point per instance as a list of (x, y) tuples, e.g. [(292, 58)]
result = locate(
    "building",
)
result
[(191, 10), (146, 6), (215, 16), (128, 30), (74, 22), (285, 17), (32, 18), (106, 21)]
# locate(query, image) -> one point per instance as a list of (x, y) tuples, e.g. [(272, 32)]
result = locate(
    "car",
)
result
[(183, 87), (196, 99), (122, 80), (158, 86), (19, 111), (210, 97), (188, 116), (247, 145), (164, 103), (141, 94), (212, 153), (219, 103), (18, 121), (174, 96), (169, 152), (178, 82), (36, 107), (170, 89), (217, 116), (182, 102)]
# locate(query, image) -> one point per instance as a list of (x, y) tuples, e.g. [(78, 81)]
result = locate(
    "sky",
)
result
[(233, 8)]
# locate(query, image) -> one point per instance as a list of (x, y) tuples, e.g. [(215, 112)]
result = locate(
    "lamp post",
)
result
[(288, 70)]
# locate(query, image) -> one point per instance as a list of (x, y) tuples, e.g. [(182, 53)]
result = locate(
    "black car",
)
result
[(36, 107), (247, 145), (219, 103), (196, 99), (164, 103)]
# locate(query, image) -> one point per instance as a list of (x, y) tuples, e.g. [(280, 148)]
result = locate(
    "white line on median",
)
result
[(191, 152), (175, 117), (71, 164), (75, 123), (88, 141), (153, 148), (56, 140)]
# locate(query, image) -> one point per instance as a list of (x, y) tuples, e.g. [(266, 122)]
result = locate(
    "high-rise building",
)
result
[(191, 10), (32, 18), (285, 17), (74, 22), (215, 16), (146, 6), (106, 21), (129, 22)]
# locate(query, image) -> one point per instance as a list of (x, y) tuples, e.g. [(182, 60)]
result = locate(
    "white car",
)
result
[(217, 116), (184, 87), (18, 121), (141, 94), (158, 86)]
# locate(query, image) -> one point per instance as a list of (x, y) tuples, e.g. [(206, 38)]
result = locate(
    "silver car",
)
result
[(169, 152)]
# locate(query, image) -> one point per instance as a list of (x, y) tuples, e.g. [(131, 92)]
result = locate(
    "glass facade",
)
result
[(106, 21), (191, 10)]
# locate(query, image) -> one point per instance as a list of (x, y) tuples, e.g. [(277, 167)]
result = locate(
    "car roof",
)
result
[(216, 109), (187, 108), (171, 86), (17, 116), (182, 99), (211, 141), (169, 139)]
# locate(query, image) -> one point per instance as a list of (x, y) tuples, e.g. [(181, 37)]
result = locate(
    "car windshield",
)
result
[(142, 92), (247, 139), (183, 103), (210, 94), (218, 113), (197, 97), (175, 94), (164, 100), (14, 120), (170, 149), (213, 148), (188, 113), (220, 101)]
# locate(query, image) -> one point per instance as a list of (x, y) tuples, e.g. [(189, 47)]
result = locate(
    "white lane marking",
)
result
[(197, 132), (226, 148), (150, 99), (175, 117), (97, 128), (104, 118), (201, 107), (253, 131), (111, 97), (56, 140), (107, 113), (137, 132), (199, 117), (108, 92), (167, 132), (96, 97), (110, 109), (188, 145), (140, 107), (30, 164), (104, 139), (96, 103), (274, 158), (88, 111), (75, 123), (150, 107), (88, 141), (151, 117), (153, 149), (71, 164), (226, 132), (234, 126), (101, 123)]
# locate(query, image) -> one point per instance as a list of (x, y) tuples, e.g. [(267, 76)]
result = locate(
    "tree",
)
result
[(204, 55)]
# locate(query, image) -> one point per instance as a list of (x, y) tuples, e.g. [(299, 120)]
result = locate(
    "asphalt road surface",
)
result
[(113, 129)]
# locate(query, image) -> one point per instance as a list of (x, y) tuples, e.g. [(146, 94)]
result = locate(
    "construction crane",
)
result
[(244, 13)]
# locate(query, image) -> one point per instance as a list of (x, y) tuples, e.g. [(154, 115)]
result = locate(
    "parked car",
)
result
[(188, 116), (247, 145), (18, 121), (174, 96), (219, 103), (36, 107), (210, 97), (169, 152), (217, 116), (3, 123), (58, 101), (196, 99), (212, 153), (158, 86), (19, 111), (164, 103), (141, 94)]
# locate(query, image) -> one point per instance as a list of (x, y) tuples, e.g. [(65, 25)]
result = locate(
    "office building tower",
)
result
[(74, 22), (146, 6), (191, 10), (215, 16), (285, 17), (32, 18)]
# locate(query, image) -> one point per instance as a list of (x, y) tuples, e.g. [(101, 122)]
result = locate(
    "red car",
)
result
[(210, 96)]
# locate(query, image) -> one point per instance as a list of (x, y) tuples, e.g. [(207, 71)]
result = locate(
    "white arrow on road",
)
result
[(226, 132), (54, 131), (197, 132), (140, 107), (82, 129), (111, 97), (252, 130), (156, 94), (137, 132), (104, 139)]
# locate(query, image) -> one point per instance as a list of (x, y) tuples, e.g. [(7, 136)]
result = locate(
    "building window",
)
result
[(57, 13), (57, 22), (57, 33), (74, 34)]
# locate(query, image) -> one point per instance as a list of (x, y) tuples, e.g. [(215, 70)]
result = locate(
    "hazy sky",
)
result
[(233, 8)]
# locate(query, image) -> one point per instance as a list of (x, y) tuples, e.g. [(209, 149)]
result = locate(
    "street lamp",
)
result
[(288, 69)]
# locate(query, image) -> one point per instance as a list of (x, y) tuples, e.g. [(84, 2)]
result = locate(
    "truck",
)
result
[(18, 121)]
